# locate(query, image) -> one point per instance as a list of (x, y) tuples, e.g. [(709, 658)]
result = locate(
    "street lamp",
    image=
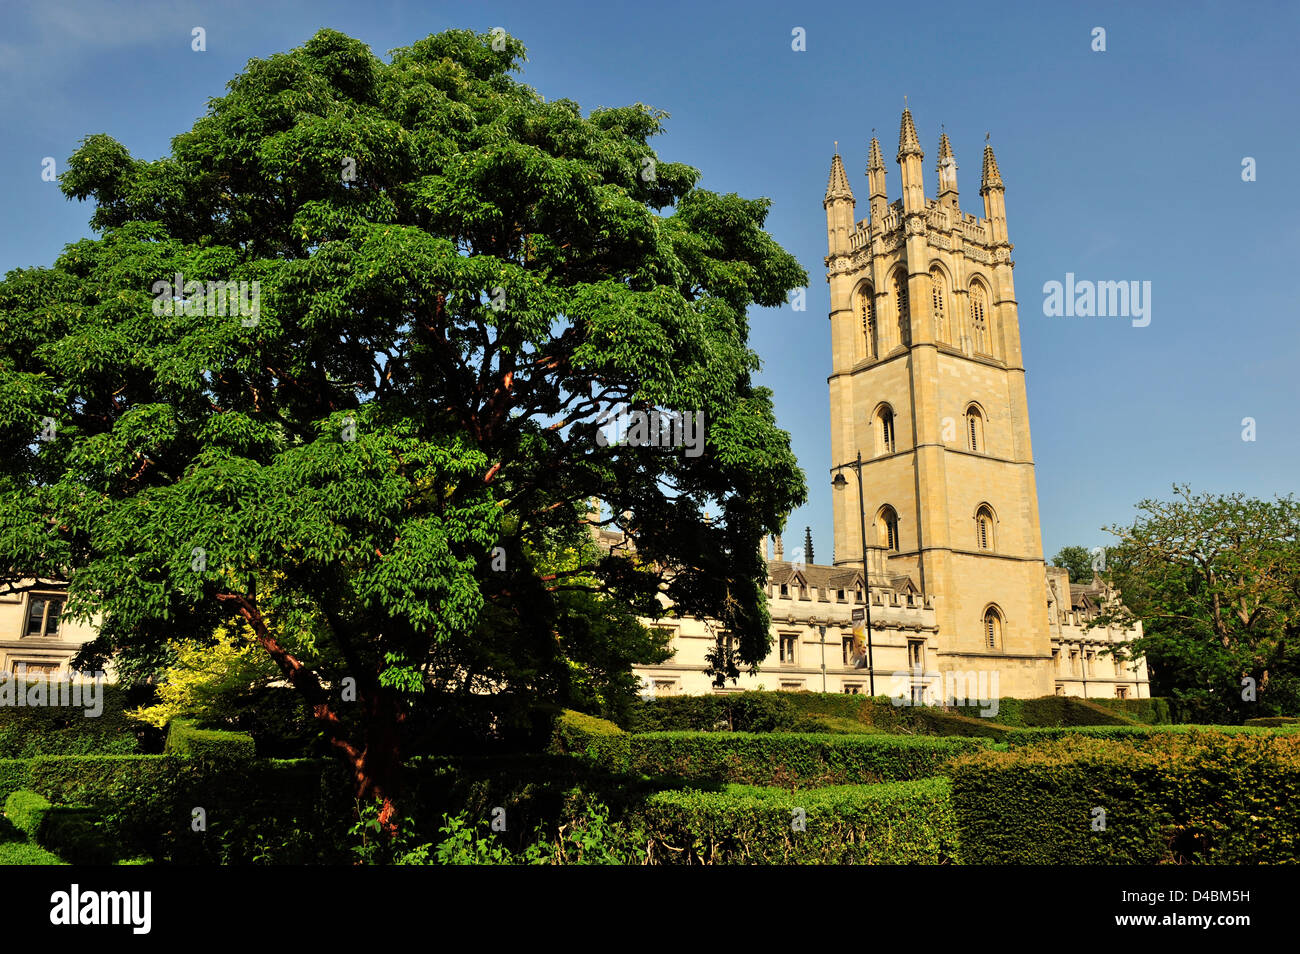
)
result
[(839, 483)]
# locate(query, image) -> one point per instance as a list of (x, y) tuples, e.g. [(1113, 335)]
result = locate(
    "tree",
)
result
[(1078, 560), (373, 456), (1215, 580)]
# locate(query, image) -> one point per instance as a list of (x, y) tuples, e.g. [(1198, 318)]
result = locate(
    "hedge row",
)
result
[(1053, 711), (45, 729), (823, 712), (1022, 737), (1153, 711), (1195, 797), (897, 823), (293, 811), (790, 760), (184, 737)]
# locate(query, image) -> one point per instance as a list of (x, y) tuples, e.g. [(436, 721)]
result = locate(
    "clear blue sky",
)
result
[(1122, 165)]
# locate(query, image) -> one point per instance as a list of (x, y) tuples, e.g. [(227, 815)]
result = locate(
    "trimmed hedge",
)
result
[(14, 774), (184, 737), (1023, 737), (30, 730), (1196, 797), (1153, 711), (1273, 721), (1054, 711), (26, 811), (897, 823), (751, 711), (594, 739), (794, 759), (762, 711)]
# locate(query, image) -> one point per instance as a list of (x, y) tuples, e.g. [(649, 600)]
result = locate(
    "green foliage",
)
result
[(26, 853), (1078, 560), (14, 774), (1153, 711), (1272, 721), (26, 811), (898, 823), (1053, 711), (596, 739), (387, 466), (29, 730), (792, 759), (758, 711), (1215, 580), (209, 745), (1193, 797), (1021, 737)]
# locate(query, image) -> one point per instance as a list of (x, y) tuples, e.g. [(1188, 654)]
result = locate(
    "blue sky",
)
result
[(1119, 165)]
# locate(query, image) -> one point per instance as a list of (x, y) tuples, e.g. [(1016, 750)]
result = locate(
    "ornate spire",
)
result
[(875, 163), (908, 144), (837, 186), (992, 178)]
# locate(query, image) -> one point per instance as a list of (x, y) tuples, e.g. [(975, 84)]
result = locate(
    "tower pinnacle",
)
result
[(837, 186), (908, 144)]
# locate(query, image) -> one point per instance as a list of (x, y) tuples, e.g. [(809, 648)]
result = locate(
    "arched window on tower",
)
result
[(984, 538), (979, 306), (992, 628), (904, 309), (867, 311), (887, 528), (974, 430), (885, 429), (938, 305)]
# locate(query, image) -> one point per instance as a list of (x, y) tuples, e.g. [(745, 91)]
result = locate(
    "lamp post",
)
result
[(839, 482)]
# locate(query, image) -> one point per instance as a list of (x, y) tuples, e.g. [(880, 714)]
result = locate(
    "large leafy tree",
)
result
[(385, 474), (1215, 580)]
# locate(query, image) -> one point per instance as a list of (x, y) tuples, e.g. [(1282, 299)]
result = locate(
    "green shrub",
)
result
[(25, 853), (1023, 737), (1273, 721), (897, 823), (208, 745), (588, 737), (29, 730), (792, 759), (1153, 711), (752, 711), (14, 774), (1194, 797), (26, 811), (75, 835)]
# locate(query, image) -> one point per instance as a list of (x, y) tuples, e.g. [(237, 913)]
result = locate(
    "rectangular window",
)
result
[(916, 653), (839, 596), (665, 687), (43, 613), (852, 690), (789, 648), (847, 643), (1060, 690), (791, 686), (1121, 692)]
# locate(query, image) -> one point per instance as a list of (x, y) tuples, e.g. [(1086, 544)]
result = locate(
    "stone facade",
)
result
[(930, 431), (35, 634)]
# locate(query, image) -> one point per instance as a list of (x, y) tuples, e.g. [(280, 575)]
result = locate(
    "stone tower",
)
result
[(928, 384)]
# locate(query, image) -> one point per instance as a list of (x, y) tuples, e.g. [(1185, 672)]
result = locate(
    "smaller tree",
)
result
[(1078, 560)]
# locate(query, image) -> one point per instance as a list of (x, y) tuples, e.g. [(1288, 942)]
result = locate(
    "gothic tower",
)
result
[(928, 384)]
